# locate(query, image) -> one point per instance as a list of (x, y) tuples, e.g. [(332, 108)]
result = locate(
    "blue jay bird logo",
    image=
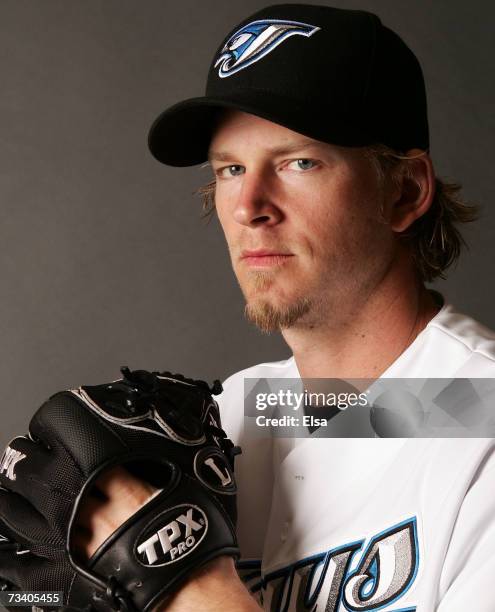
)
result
[(255, 40)]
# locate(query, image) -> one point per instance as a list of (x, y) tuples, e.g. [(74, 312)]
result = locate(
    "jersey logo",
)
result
[(172, 536), (349, 578), (255, 40), (9, 460)]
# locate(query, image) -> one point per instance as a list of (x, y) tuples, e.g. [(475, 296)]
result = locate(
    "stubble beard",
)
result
[(266, 315)]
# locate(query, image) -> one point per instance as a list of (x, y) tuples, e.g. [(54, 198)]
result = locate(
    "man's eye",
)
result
[(227, 171), (302, 164)]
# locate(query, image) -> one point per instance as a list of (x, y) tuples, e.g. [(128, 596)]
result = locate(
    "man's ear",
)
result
[(415, 191)]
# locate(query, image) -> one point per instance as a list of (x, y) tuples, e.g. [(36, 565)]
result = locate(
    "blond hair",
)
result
[(434, 238)]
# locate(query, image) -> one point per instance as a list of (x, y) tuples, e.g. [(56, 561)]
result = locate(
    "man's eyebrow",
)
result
[(280, 150)]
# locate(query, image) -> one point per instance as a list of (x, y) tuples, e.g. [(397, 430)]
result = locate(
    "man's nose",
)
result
[(256, 203)]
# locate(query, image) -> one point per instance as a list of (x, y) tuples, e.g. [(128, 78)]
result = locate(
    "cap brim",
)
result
[(181, 135)]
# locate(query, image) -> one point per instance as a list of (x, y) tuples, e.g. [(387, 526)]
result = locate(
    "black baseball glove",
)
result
[(164, 429)]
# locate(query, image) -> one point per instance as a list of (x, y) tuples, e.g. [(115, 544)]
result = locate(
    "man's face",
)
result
[(301, 219)]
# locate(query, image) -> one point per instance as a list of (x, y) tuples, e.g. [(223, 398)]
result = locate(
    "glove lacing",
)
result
[(116, 595)]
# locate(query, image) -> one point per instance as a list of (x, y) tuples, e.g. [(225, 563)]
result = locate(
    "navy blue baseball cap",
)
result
[(339, 76)]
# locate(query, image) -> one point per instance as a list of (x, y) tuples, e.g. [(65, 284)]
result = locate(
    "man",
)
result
[(315, 126)]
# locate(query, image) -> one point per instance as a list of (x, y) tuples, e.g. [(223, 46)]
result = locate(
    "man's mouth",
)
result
[(264, 258)]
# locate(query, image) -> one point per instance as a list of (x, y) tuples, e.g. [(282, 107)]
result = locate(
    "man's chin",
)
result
[(269, 317)]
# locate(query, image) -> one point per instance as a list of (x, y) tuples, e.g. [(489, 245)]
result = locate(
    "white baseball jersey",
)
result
[(399, 524)]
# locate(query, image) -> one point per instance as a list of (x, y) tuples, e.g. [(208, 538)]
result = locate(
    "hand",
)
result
[(169, 429), (114, 498)]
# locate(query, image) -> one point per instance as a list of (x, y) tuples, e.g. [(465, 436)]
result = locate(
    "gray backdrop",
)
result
[(104, 257)]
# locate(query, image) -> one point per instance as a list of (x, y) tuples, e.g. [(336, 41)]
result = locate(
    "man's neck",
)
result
[(365, 340)]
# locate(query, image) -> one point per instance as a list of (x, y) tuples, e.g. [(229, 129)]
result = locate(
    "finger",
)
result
[(96, 521), (88, 508), (119, 495), (119, 484), (85, 541)]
